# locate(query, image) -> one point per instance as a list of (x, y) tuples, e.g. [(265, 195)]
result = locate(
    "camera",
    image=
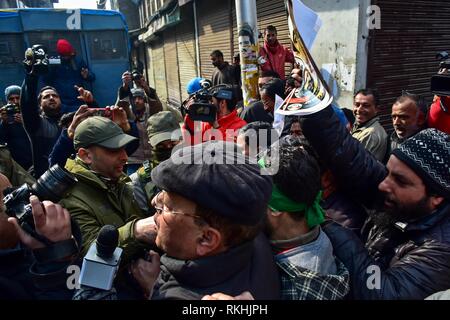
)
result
[(11, 110), (440, 83), (103, 112), (136, 76), (202, 109), (36, 60), (52, 185)]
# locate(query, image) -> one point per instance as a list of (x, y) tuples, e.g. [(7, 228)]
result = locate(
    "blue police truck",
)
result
[(100, 38)]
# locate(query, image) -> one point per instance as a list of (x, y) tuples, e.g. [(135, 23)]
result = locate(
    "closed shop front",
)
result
[(185, 34), (402, 53), (215, 32), (159, 70), (171, 60)]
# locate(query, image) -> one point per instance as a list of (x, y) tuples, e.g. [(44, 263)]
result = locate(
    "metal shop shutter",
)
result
[(149, 64), (402, 53), (187, 64), (215, 32), (173, 80), (159, 70)]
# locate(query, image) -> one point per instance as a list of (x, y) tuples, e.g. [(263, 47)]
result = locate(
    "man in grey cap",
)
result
[(141, 111), (208, 219), (163, 134), (102, 195)]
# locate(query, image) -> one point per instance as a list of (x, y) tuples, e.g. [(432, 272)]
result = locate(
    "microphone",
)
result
[(102, 261)]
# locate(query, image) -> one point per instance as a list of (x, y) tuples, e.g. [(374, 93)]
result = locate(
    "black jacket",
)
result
[(248, 267), (42, 130), (19, 145), (413, 259)]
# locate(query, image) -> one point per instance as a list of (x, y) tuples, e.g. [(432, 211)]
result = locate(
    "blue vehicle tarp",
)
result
[(101, 37)]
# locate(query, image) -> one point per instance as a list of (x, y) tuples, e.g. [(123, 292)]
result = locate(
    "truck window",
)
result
[(107, 45), (11, 48), (49, 39)]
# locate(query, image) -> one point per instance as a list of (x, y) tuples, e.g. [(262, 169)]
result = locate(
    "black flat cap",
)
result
[(216, 176)]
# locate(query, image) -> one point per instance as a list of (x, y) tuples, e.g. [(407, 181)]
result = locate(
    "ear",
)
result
[(275, 213), (421, 119), (435, 201), (210, 241), (223, 105), (85, 155)]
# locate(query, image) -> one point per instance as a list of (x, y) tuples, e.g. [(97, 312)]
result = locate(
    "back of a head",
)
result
[(64, 48), (298, 175), (257, 131), (269, 74), (274, 87)]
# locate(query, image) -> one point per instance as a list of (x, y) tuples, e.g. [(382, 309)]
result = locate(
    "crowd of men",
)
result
[(330, 207)]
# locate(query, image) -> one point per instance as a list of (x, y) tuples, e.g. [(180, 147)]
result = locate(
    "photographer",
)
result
[(222, 123), (72, 71), (12, 132), (439, 113), (29, 269), (41, 115), (132, 80)]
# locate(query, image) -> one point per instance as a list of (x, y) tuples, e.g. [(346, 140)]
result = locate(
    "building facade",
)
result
[(383, 44)]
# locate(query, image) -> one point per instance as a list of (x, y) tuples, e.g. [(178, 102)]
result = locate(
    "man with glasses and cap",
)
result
[(208, 220)]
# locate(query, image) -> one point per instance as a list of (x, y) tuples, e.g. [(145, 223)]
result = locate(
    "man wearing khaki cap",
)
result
[(102, 195), (163, 133)]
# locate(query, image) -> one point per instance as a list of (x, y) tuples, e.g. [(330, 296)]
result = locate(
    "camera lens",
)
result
[(53, 184)]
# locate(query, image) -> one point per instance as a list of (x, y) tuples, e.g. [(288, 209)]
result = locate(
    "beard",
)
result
[(401, 212)]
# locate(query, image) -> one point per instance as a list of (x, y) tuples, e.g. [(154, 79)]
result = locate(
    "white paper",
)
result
[(278, 119), (307, 21)]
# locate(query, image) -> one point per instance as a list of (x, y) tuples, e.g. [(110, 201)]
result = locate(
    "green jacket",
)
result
[(11, 169), (92, 204)]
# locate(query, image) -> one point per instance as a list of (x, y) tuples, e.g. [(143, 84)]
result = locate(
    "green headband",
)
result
[(314, 214)]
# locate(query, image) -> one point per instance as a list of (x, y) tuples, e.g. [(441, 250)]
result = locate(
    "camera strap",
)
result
[(59, 251), (62, 250)]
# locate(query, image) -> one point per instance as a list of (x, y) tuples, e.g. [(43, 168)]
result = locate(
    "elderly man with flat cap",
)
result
[(102, 195), (208, 218)]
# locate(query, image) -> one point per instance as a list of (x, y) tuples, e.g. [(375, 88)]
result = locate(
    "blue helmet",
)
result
[(194, 85)]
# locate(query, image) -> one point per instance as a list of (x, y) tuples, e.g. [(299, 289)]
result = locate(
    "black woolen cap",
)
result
[(216, 176)]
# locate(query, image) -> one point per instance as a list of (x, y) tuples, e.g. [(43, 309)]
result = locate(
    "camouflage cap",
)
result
[(160, 127), (100, 131)]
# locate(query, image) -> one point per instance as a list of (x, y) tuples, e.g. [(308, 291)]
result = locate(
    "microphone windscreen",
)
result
[(107, 241)]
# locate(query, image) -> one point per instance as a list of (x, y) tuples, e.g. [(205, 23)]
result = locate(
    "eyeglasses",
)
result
[(158, 204)]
